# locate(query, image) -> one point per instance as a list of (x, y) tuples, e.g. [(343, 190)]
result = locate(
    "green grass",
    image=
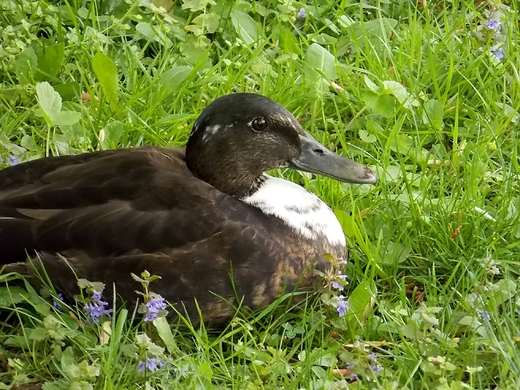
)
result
[(417, 94)]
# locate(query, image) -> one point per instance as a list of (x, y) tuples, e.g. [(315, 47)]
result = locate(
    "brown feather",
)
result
[(141, 209)]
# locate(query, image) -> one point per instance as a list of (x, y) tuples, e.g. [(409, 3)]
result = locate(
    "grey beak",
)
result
[(316, 158)]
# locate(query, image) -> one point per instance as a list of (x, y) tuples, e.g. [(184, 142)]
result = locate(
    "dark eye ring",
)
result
[(259, 124)]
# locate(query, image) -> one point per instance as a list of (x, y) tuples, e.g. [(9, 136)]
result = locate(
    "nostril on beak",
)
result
[(319, 152)]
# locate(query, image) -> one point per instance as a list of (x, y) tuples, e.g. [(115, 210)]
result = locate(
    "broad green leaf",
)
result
[(289, 42), (410, 331), (208, 22), (505, 290), (380, 26), (322, 60), (50, 60), (348, 223), (65, 118), (372, 30), (384, 105), (319, 372), (193, 52), (398, 90), (245, 26), (147, 31), (112, 134), (372, 86), (166, 4), (196, 5), (37, 302), (49, 101), (469, 321), (365, 136), (10, 296), (50, 105), (26, 65), (172, 79), (39, 334), (327, 360), (319, 68), (17, 341), (155, 349), (325, 39), (82, 370), (29, 143), (165, 333), (106, 72), (68, 91), (360, 300), (395, 253), (433, 114), (9, 93), (260, 65), (204, 370), (152, 33)]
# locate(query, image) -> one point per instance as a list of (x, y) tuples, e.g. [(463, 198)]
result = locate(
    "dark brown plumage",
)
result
[(114, 212)]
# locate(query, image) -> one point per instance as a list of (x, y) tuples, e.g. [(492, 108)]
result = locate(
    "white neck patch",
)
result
[(298, 208)]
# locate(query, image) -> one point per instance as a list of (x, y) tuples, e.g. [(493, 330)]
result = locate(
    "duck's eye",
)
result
[(259, 124)]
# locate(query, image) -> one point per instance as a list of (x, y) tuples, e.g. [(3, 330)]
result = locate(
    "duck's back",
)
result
[(114, 213)]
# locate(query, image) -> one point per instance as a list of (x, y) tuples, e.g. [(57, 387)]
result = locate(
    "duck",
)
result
[(218, 231)]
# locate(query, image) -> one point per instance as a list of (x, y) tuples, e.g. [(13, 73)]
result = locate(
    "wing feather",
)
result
[(110, 214)]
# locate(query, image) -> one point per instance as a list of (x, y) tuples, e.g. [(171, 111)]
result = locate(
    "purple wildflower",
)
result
[(494, 25), (350, 366), (498, 53), (98, 307), (342, 305), (337, 285), (96, 310), (12, 160), (150, 364), (376, 368), (373, 357), (302, 15), (56, 303), (353, 377), (150, 316), (96, 296), (485, 315), (154, 305)]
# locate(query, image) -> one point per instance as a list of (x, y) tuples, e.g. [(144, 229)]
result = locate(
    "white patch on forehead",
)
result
[(298, 208), (209, 131), (284, 119)]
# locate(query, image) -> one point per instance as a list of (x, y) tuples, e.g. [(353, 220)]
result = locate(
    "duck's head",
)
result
[(240, 136)]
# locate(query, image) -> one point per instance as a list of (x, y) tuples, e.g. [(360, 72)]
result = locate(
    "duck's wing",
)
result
[(103, 216), (141, 200)]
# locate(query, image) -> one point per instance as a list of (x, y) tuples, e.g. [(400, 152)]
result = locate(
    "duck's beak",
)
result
[(316, 158)]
